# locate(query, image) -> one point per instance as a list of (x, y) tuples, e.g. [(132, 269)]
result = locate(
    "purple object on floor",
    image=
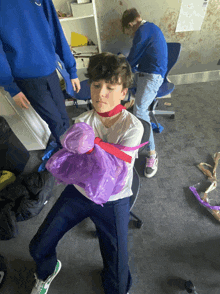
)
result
[(204, 203)]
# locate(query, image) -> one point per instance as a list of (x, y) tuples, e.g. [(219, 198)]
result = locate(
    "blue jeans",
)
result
[(111, 223), (147, 87)]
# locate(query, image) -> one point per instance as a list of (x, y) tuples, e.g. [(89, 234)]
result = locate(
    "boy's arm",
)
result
[(132, 138), (60, 43), (137, 49), (6, 78)]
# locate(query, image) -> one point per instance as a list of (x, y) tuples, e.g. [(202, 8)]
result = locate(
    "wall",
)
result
[(200, 49)]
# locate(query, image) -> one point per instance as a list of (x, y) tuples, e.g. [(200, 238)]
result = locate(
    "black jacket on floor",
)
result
[(22, 200)]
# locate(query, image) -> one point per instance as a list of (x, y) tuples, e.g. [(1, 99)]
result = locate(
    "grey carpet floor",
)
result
[(179, 239)]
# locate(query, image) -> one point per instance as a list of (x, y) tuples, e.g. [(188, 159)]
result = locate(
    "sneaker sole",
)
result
[(150, 175), (54, 275), (59, 268)]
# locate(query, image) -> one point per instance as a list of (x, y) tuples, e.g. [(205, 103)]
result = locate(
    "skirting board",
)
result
[(196, 77)]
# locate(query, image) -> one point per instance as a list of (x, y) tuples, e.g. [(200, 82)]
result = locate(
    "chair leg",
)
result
[(154, 112), (139, 222), (164, 112)]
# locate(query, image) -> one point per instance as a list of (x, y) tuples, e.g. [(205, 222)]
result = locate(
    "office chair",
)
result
[(135, 189), (166, 88), (84, 93)]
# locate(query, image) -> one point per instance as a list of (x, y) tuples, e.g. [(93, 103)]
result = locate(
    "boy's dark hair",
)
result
[(110, 67), (129, 15)]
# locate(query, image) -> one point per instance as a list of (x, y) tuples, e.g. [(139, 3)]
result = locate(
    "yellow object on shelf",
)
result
[(78, 40)]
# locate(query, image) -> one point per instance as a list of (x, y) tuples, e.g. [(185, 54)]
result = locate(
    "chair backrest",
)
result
[(135, 188), (173, 55), (62, 70), (84, 93)]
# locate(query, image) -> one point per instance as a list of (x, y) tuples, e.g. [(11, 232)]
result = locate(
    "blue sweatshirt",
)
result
[(30, 35), (149, 50)]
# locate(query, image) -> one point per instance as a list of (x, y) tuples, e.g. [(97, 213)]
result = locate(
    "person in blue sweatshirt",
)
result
[(148, 56), (30, 38)]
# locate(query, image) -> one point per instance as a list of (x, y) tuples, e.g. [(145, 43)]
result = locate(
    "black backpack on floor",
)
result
[(13, 154), (22, 200)]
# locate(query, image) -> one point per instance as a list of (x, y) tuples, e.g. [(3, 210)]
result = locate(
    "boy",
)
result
[(149, 56), (30, 38), (109, 76)]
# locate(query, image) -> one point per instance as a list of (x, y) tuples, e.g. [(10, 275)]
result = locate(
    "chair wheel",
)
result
[(138, 224), (172, 116)]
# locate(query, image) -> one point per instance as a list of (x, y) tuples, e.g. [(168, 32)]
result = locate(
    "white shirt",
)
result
[(127, 131)]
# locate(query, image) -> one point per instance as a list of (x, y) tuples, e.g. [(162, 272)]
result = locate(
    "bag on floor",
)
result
[(39, 186), (22, 200), (8, 225), (6, 178), (13, 154)]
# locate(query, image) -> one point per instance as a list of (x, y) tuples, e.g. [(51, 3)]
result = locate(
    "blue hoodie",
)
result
[(30, 35), (149, 50)]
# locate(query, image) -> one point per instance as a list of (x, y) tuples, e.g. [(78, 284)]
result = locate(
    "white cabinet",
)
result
[(82, 10), (84, 21), (31, 130)]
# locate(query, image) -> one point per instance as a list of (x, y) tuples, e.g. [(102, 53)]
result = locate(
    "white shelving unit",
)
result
[(84, 21)]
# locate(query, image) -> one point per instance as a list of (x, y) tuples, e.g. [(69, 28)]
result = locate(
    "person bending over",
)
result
[(148, 55)]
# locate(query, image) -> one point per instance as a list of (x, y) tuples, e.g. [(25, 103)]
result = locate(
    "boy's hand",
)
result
[(76, 85), (21, 100)]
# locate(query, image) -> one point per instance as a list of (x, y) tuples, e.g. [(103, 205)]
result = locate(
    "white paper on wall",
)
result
[(192, 14)]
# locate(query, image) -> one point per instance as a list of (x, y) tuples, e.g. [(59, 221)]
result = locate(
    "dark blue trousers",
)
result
[(46, 97), (111, 223)]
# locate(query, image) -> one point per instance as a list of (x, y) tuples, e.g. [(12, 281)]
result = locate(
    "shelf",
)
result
[(74, 18), (83, 21)]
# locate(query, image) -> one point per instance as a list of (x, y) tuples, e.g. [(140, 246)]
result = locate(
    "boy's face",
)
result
[(106, 96)]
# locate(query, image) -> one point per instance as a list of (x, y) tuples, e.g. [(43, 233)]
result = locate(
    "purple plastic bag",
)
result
[(100, 174)]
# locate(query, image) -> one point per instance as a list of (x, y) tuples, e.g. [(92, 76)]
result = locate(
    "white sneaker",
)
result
[(42, 287), (151, 166)]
